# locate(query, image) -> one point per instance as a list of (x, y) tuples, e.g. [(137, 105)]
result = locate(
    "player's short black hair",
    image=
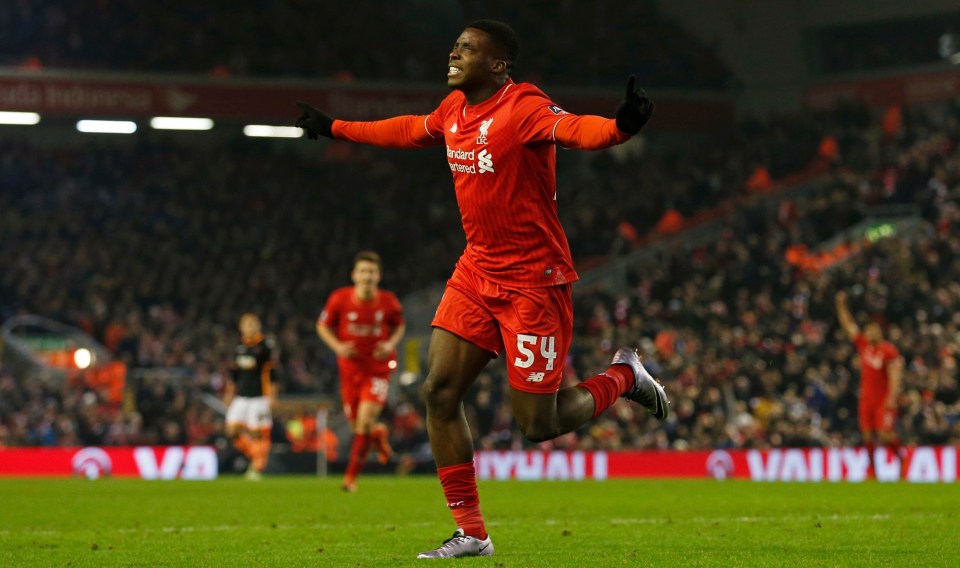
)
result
[(503, 36)]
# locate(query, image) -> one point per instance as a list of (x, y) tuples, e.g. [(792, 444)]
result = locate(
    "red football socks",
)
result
[(460, 488), (608, 386), (380, 439), (358, 455), (894, 448)]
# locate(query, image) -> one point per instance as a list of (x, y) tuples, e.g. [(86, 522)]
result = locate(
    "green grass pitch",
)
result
[(303, 521)]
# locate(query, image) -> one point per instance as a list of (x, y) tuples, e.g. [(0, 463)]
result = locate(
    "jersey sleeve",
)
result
[(542, 120), (434, 121), (330, 315), (409, 131), (396, 312), (588, 132)]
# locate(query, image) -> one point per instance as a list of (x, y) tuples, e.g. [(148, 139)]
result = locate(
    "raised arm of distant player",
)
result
[(895, 375), (846, 318)]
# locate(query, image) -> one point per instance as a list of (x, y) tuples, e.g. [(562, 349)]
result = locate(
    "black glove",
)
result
[(314, 122), (635, 110)]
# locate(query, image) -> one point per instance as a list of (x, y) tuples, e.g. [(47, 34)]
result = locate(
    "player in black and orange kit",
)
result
[(363, 324), (511, 289), (249, 395)]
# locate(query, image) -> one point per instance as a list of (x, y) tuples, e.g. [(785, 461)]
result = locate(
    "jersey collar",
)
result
[(253, 340), (493, 101)]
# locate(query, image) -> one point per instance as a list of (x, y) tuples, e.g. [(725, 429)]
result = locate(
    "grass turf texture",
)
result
[(302, 521)]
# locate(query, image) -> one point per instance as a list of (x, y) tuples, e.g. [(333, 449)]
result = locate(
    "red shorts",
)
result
[(358, 386), (533, 326), (876, 417)]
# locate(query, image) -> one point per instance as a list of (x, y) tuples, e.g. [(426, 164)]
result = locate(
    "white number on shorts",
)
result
[(547, 349), (379, 387)]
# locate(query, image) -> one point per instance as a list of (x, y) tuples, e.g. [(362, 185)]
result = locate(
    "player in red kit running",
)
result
[(511, 289), (881, 368), (363, 325)]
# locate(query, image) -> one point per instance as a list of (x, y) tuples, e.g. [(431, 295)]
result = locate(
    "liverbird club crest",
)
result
[(484, 129)]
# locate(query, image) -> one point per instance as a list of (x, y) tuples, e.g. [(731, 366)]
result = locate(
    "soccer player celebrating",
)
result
[(511, 289), (881, 368), (363, 325), (249, 395)]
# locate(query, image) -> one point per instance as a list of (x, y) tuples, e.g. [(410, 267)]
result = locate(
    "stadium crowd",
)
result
[(748, 343), (320, 40), (156, 247)]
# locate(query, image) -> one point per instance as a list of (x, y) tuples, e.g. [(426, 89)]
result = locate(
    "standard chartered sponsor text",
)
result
[(455, 167), (472, 159), (459, 154)]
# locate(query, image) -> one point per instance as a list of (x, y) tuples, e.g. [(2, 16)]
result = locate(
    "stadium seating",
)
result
[(321, 40), (157, 247)]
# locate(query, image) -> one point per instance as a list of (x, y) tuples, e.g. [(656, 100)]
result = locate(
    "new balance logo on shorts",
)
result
[(536, 377)]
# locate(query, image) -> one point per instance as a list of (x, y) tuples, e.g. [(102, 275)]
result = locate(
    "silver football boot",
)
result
[(646, 391), (460, 545)]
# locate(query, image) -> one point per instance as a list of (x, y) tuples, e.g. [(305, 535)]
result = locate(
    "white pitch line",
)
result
[(549, 522), (765, 519)]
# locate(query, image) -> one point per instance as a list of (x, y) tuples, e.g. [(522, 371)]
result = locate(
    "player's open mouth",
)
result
[(451, 71)]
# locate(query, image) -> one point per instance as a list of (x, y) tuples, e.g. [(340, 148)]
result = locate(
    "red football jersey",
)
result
[(365, 323), (502, 155), (874, 368)]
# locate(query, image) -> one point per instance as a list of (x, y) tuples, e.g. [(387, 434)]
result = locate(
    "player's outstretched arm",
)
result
[(845, 317), (635, 110), (588, 132), (408, 131), (314, 122)]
